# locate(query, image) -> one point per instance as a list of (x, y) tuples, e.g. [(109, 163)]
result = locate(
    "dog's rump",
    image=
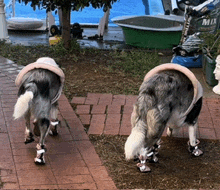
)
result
[(166, 96), (41, 82), (197, 87), (177, 97), (38, 88), (46, 64)]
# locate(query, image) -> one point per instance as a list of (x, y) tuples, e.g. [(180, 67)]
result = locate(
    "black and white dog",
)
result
[(171, 97), (40, 85)]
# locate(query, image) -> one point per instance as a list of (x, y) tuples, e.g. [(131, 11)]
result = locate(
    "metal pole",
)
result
[(3, 23), (13, 8)]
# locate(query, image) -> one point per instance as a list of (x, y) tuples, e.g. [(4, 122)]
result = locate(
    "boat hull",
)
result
[(151, 39), (152, 32), (20, 23)]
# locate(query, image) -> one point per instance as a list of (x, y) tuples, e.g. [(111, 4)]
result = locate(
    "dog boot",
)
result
[(29, 138), (40, 154), (142, 165), (53, 129), (194, 149)]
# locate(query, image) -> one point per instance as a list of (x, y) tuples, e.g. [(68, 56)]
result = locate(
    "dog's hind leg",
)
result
[(193, 142), (28, 134), (54, 119), (192, 121), (44, 128)]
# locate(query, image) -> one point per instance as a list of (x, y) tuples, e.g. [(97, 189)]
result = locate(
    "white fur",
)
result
[(135, 142), (22, 104)]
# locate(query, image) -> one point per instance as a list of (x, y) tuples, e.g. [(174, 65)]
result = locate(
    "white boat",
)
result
[(21, 23)]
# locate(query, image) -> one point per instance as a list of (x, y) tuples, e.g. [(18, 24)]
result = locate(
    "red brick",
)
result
[(130, 100), (114, 109), (105, 99), (96, 128), (9, 179), (83, 109), (78, 100), (76, 129), (92, 99), (207, 133), (4, 139), (17, 136), (76, 170), (217, 130), (106, 184), (128, 109), (126, 119), (112, 129), (98, 109), (216, 122), (77, 179), (99, 118), (78, 186), (88, 153), (64, 106), (125, 129), (39, 187), (118, 100), (113, 118), (31, 166), (205, 122), (11, 186), (99, 173), (63, 98), (36, 177), (85, 119)]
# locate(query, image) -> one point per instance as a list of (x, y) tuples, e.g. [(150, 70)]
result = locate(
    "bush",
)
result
[(211, 43)]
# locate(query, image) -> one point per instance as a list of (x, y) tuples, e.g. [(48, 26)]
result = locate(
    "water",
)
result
[(87, 15)]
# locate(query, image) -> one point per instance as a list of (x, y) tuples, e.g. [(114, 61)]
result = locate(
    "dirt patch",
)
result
[(176, 169)]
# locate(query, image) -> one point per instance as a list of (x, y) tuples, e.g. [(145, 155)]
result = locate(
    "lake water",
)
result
[(87, 15)]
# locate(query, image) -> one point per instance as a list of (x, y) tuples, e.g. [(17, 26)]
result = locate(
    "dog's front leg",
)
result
[(193, 142), (41, 150), (28, 134)]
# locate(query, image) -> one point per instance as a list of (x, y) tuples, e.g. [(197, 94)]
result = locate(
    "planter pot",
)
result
[(208, 65)]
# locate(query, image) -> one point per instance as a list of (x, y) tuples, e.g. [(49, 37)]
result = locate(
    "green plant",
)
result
[(211, 43)]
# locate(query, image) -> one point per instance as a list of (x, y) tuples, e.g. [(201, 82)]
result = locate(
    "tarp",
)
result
[(153, 7)]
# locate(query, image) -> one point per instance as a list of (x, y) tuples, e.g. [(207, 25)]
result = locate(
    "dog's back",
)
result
[(167, 91), (38, 88)]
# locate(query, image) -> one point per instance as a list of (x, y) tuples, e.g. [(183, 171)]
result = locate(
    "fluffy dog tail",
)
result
[(22, 104), (134, 144)]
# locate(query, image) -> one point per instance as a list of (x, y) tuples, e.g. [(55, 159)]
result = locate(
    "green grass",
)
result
[(133, 62)]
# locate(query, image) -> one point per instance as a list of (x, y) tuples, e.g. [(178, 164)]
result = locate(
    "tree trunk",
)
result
[(66, 27)]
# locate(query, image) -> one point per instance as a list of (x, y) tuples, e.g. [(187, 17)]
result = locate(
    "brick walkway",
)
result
[(110, 114), (71, 160)]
